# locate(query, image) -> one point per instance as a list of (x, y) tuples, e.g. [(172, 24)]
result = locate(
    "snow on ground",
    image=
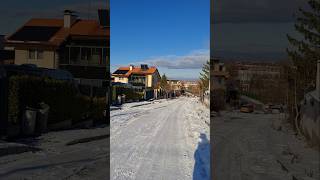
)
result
[(247, 147), (197, 124), (159, 140), (56, 160), (149, 140), (197, 120)]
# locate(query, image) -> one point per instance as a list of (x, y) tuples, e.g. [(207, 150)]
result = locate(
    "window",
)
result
[(86, 54), (105, 56), (64, 54), (32, 54), (74, 55), (40, 54), (96, 56), (35, 54)]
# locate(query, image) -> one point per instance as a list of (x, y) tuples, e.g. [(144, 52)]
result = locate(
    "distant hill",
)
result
[(183, 79)]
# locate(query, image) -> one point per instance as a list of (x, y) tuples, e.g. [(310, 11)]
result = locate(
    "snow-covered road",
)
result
[(158, 140), (149, 140), (246, 147)]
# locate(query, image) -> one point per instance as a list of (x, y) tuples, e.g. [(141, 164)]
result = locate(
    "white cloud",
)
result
[(193, 60)]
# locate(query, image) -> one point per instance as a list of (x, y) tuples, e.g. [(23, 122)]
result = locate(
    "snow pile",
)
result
[(197, 120), (197, 123)]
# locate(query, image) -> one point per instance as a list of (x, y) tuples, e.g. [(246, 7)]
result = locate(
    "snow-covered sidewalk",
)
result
[(160, 140), (55, 159)]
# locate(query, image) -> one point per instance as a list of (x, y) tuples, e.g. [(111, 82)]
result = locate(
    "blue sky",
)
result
[(14, 13), (173, 35)]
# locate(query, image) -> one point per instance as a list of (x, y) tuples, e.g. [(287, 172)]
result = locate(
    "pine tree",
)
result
[(205, 76), (163, 81), (164, 84), (305, 52)]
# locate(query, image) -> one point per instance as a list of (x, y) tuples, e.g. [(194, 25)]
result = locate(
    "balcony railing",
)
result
[(84, 56)]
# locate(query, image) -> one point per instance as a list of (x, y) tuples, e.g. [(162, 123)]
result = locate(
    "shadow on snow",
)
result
[(201, 169)]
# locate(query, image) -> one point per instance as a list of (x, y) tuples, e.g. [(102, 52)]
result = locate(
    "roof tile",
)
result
[(137, 70), (89, 28)]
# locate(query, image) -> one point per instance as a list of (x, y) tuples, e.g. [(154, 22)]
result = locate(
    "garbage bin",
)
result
[(119, 100), (123, 98), (29, 121), (42, 118)]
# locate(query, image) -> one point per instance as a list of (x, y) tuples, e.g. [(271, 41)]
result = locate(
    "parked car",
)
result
[(246, 108), (274, 108)]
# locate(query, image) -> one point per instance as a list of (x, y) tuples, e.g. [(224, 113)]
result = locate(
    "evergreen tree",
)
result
[(305, 51), (205, 76), (163, 81)]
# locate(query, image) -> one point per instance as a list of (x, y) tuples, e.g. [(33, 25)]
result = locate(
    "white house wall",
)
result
[(121, 80), (48, 60)]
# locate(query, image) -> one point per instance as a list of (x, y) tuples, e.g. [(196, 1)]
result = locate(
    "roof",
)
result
[(88, 28), (52, 31), (35, 33), (121, 71), (126, 72)]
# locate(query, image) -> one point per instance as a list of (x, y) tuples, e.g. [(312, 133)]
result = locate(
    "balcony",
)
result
[(138, 81), (84, 56)]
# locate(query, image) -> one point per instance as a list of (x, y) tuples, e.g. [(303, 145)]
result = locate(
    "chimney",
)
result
[(131, 67), (69, 18), (318, 79)]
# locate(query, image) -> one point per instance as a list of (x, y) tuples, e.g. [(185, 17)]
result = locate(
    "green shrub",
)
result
[(97, 107), (130, 93), (13, 102), (63, 98)]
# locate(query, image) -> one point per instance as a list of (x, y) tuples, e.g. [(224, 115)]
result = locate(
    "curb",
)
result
[(88, 139)]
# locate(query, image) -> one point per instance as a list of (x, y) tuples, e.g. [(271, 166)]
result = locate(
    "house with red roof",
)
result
[(80, 46), (145, 78)]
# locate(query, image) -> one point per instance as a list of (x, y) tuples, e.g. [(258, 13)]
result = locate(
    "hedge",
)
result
[(63, 98), (97, 107), (130, 93)]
